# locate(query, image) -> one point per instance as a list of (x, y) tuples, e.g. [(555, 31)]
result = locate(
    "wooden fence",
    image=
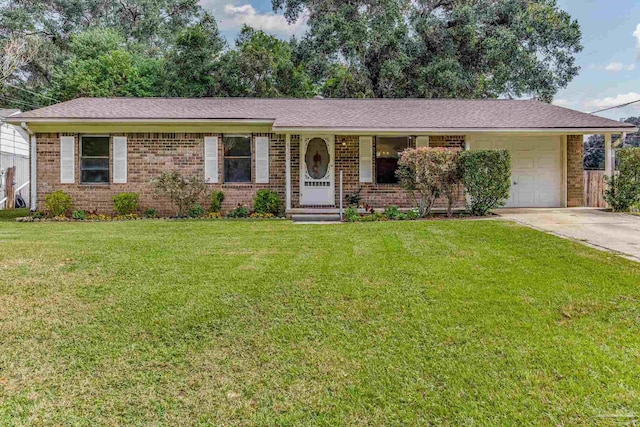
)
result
[(594, 186)]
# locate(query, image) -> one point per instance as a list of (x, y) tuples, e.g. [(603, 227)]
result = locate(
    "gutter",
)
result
[(34, 167)]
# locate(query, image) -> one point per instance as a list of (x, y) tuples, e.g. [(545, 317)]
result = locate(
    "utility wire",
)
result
[(31, 92), (616, 106), (17, 101)]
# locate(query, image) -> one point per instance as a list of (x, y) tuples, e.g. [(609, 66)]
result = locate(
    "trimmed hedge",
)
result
[(486, 176)]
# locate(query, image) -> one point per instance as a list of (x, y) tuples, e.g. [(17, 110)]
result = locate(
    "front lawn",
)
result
[(271, 323)]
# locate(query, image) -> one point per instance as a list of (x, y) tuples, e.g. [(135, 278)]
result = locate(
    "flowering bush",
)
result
[(428, 173), (184, 192)]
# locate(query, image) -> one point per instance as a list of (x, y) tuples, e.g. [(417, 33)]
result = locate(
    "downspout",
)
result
[(34, 165)]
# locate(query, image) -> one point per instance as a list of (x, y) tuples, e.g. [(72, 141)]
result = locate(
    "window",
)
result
[(388, 150), (94, 160), (237, 158)]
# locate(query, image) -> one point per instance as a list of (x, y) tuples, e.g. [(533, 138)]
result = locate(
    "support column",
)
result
[(34, 174), (608, 155), (287, 169)]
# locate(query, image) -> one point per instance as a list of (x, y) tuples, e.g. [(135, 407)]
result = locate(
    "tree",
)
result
[(189, 66), (101, 66), (262, 66), (454, 48)]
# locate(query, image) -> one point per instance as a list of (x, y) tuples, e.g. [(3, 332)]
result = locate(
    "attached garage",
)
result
[(536, 168)]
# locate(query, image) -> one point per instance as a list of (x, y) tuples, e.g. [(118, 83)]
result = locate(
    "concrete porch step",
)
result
[(316, 217)]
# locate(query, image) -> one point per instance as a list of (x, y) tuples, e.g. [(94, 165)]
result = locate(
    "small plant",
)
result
[(58, 203), (38, 215), (413, 214), (217, 197), (127, 217), (353, 199), (196, 211), (183, 192), (239, 212), (150, 213), (259, 215), (267, 201), (351, 214), (214, 215), (486, 176), (392, 212), (98, 217), (126, 203), (79, 215)]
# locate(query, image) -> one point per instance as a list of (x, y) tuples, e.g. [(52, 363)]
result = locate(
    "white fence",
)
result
[(21, 164)]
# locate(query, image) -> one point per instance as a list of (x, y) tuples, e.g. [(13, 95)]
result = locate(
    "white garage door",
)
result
[(536, 168)]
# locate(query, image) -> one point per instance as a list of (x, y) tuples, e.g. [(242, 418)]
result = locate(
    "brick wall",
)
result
[(148, 155), (575, 179)]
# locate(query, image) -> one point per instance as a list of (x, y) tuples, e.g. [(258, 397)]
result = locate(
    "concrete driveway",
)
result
[(609, 231)]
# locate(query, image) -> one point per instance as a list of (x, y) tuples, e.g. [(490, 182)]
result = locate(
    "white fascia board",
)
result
[(423, 131)]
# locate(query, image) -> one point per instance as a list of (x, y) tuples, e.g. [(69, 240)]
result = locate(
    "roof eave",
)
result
[(417, 131)]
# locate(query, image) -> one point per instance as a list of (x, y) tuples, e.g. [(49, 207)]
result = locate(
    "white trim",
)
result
[(428, 131), (86, 120), (287, 170)]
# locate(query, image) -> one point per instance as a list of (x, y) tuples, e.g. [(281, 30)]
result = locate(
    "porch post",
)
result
[(287, 169), (608, 158)]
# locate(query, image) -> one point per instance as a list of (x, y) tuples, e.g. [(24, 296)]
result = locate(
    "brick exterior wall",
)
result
[(575, 179), (149, 154)]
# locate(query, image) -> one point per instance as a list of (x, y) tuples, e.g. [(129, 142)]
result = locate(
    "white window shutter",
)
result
[(262, 160), (422, 141), (120, 159), (366, 159), (67, 160), (211, 159)]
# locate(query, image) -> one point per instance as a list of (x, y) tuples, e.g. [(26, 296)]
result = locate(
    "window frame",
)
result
[(225, 157), (376, 138), (108, 157)]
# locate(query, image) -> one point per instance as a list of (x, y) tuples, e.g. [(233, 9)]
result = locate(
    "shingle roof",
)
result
[(389, 114)]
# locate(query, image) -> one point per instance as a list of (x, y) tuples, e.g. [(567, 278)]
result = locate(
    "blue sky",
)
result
[(610, 61)]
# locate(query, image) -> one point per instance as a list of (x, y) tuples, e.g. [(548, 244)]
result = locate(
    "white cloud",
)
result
[(636, 34), (613, 101), (563, 103), (614, 67), (232, 15)]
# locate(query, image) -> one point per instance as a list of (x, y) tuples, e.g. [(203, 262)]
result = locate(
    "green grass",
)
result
[(11, 215), (269, 323)]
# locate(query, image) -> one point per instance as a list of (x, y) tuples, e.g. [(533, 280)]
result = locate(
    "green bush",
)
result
[(623, 188), (126, 203), (267, 201), (239, 212), (392, 212), (351, 214), (486, 176), (196, 211), (150, 213), (217, 197), (79, 215), (58, 203)]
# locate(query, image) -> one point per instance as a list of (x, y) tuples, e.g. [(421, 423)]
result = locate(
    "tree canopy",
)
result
[(62, 49)]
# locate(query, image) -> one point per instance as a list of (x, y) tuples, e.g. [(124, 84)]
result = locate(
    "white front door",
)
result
[(317, 183), (536, 168)]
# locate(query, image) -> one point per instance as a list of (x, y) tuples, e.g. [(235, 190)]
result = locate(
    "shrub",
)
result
[(58, 203), (150, 213), (486, 176), (267, 201), (79, 215), (353, 199), (623, 188), (38, 214), (196, 211), (239, 212), (262, 215), (183, 192), (217, 197), (126, 203), (127, 217), (351, 214), (392, 212), (429, 172)]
